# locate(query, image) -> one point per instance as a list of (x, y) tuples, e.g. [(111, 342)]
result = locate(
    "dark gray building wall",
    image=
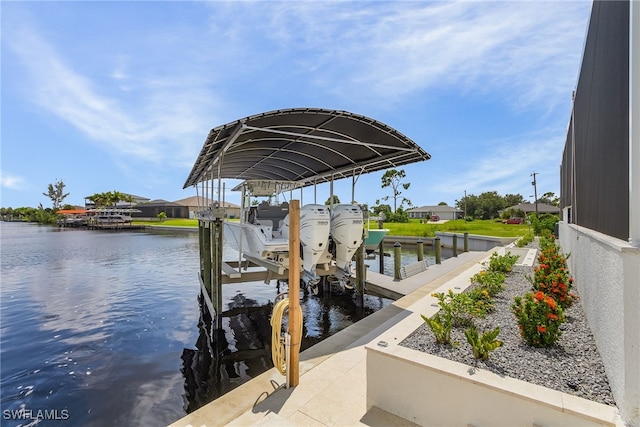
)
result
[(152, 211), (596, 185)]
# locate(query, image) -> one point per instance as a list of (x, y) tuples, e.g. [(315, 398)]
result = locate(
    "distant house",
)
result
[(443, 211), (196, 203), (88, 204), (152, 208), (528, 208)]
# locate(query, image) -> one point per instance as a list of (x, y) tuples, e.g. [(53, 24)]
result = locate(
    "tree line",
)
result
[(489, 204), (55, 192)]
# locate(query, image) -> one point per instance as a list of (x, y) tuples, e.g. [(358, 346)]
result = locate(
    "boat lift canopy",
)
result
[(303, 145)]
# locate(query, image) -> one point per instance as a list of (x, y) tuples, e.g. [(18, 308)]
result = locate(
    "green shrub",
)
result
[(539, 318), (482, 301), (543, 224), (484, 344), (525, 240), (501, 263), (441, 326), (551, 275), (492, 281)]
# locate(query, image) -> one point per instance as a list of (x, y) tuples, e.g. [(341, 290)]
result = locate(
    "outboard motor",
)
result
[(347, 234), (314, 237)]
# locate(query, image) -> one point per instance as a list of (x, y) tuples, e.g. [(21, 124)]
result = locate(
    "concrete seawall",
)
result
[(476, 242)]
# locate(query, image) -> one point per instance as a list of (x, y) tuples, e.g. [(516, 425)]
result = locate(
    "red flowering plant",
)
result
[(551, 274), (539, 317)]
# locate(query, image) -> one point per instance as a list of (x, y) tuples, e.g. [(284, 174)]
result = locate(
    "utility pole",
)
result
[(535, 190), (465, 205)]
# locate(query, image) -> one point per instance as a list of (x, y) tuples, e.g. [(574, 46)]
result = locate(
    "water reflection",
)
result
[(108, 326), (225, 358), (240, 350)]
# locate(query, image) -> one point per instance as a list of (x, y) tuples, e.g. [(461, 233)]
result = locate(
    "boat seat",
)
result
[(265, 222), (272, 213)]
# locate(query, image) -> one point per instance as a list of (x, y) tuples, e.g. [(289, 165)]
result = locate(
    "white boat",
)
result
[(110, 217), (329, 237), (373, 239)]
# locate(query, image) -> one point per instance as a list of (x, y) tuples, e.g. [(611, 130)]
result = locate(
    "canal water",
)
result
[(105, 328)]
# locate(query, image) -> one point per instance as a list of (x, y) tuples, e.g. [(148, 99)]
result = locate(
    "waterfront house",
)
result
[(527, 208), (445, 212), (196, 203)]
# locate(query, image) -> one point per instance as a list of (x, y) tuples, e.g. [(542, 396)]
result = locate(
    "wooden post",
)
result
[(361, 272), (295, 314), (205, 256), (397, 260), (381, 257), (455, 245), (420, 244), (200, 244), (438, 248), (466, 241), (216, 273)]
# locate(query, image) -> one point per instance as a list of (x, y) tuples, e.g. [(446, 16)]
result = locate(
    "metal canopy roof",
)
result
[(304, 145)]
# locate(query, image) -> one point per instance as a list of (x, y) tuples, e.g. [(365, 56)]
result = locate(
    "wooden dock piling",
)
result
[(210, 242), (397, 260), (381, 257), (361, 278), (438, 248), (455, 245), (295, 313)]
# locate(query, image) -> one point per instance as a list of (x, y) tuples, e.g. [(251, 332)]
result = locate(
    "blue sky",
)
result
[(121, 95)]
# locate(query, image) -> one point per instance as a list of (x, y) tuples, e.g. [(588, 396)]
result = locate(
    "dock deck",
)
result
[(388, 287)]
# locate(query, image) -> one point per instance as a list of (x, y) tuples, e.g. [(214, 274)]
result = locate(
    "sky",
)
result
[(120, 96)]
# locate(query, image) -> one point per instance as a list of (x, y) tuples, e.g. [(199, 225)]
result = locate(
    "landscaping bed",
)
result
[(573, 365)]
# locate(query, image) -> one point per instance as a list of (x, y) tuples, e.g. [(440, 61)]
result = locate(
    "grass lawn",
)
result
[(179, 222), (479, 227), (412, 228)]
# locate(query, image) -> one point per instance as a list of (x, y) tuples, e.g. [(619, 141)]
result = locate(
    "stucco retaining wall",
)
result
[(607, 275)]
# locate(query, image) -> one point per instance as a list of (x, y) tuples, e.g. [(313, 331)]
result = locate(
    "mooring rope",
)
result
[(278, 349)]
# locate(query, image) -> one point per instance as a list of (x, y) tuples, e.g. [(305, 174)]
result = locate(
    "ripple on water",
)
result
[(105, 324)]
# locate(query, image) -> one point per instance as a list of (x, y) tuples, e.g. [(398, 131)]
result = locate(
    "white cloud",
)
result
[(12, 182), (157, 105), (525, 51), (162, 120)]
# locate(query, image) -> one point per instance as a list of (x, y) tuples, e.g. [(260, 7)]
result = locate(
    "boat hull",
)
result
[(255, 240), (374, 238)]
